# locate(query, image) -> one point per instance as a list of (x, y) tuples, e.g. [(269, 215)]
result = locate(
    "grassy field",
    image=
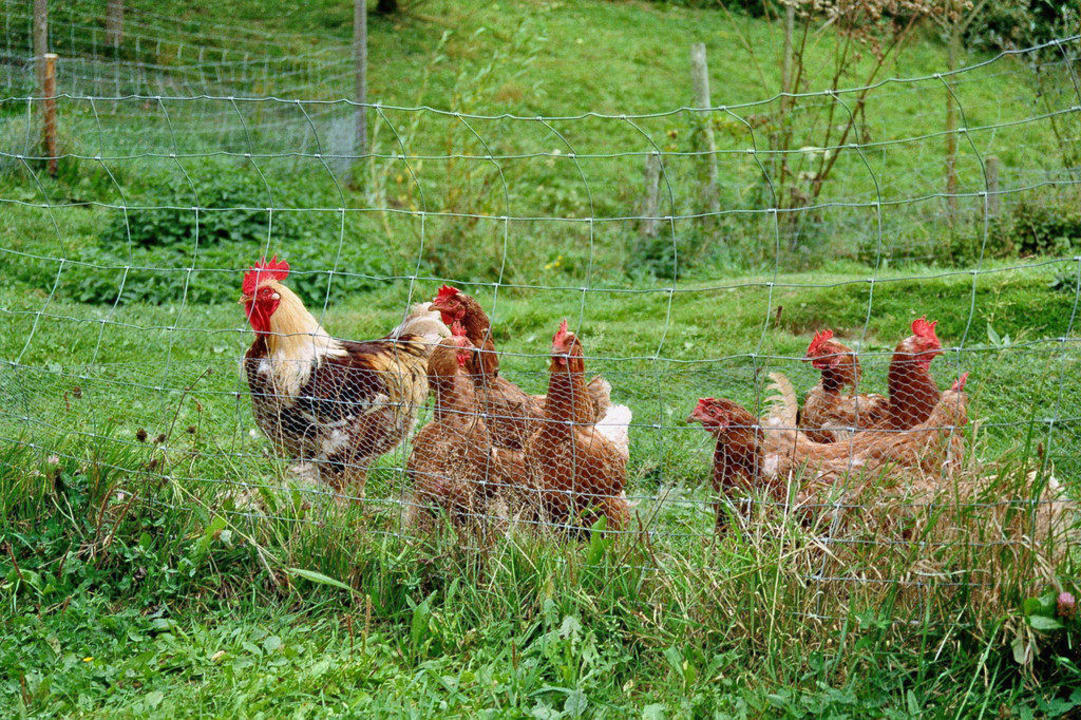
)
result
[(158, 561)]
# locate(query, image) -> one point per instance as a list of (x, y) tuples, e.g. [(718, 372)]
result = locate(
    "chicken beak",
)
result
[(244, 300)]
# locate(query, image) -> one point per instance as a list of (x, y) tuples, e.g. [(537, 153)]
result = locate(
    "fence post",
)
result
[(951, 129), (786, 66), (993, 198), (49, 129), (360, 63), (41, 38), (700, 77), (651, 199), (114, 22)]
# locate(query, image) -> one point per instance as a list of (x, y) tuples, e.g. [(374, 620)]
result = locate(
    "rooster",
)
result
[(511, 413), (453, 464), (825, 408), (336, 403), (578, 469)]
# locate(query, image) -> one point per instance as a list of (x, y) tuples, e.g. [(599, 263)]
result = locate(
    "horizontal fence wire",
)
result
[(181, 163)]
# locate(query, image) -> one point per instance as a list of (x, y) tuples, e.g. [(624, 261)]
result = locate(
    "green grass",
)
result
[(157, 561), (608, 625), (526, 58), (285, 664)]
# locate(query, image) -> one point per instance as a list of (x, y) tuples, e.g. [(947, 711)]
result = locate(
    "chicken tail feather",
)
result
[(615, 425), (423, 322), (600, 394), (785, 408)]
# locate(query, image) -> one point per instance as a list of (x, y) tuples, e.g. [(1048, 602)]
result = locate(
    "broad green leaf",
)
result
[(318, 577), (1040, 622)]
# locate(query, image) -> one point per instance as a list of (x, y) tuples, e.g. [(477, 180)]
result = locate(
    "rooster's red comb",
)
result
[(262, 271), (820, 339), (959, 383), (561, 334), (447, 291), (922, 328), (457, 329)]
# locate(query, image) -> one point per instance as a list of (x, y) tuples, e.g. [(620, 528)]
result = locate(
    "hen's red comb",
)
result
[(820, 339), (922, 328), (457, 329), (959, 383), (561, 334), (263, 271), (447, 291)]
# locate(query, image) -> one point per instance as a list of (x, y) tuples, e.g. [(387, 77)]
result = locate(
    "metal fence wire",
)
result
[(409, 360)]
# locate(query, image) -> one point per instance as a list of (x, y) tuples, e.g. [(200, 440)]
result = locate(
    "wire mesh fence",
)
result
[(181, 167)]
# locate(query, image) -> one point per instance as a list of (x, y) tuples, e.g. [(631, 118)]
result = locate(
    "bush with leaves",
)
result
[(1022, 23), (235, 210), (1038, 229), (165, 251)]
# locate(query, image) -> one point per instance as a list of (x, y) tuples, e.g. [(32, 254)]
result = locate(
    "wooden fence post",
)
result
[(700, 77), (651, 199), (41, 39), (360, 69), (954, 51), (786, 65), (49, 127), (114, 22), (993, 198)]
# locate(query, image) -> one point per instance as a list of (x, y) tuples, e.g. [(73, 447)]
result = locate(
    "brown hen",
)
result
[(511, 414), (578, 470), (829, 413), (453, 465)]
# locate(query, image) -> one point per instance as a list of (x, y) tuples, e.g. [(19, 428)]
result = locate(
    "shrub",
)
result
[(1022, 23), (169, 237), (175, 224), (1025, 229), (1040, 229), (158, 275)]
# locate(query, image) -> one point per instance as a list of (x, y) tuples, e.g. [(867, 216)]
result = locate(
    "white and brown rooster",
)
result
[(335, 403)]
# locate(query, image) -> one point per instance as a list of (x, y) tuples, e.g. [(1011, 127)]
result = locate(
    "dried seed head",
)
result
[(140, 435), (77, 391), (160, 439), (191, 429)]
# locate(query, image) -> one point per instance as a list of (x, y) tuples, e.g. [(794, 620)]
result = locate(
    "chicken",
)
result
[(913, 392), (453, 464), (826, 410), (768, 452), (454, 305), (510, 412), (422, 320), (920, 446), (577, 470), (336, 403), (737, 458)]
